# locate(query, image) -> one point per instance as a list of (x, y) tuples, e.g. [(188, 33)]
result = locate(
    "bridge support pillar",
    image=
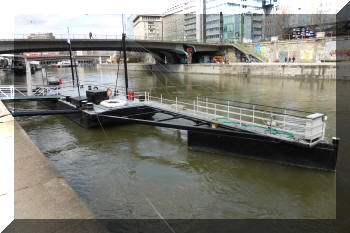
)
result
[(28, 78)]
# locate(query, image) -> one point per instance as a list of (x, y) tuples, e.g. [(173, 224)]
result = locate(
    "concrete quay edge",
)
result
[(43, 199)]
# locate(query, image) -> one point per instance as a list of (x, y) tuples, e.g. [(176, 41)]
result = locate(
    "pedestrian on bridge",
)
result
[(90, 35)]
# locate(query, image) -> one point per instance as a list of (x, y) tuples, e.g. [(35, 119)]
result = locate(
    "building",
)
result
[(190, 23), (173, 22), (130, 25), (240, 20), (285, 19), (194, 21), (148, 27)]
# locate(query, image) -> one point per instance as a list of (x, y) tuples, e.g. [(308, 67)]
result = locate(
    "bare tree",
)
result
[(282, 22), (322, 18)]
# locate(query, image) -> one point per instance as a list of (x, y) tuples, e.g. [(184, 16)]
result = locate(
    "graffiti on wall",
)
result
[(264, 50), (337, 50), (306, 55)]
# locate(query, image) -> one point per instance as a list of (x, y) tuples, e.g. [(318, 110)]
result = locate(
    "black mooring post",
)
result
[(71, 61), (125, 66), (76, 74)]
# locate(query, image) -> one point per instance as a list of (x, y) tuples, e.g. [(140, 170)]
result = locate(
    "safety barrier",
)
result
[(304, 127)]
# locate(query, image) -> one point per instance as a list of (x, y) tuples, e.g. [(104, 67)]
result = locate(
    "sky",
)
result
[(102, 17)]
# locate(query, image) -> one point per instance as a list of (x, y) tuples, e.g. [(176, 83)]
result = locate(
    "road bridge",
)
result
[(175, 52)]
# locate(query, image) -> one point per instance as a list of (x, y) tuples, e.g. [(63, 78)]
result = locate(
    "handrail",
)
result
[(302, 129)]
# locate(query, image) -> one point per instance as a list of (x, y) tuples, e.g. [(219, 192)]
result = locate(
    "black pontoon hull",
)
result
[(321, 156)]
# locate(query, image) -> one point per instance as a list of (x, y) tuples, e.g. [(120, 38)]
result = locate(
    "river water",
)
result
[(137, 171)]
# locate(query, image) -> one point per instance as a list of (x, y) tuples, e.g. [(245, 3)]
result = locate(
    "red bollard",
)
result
[(60, 81)]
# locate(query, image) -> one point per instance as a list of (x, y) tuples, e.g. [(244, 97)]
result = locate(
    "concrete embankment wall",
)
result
[(280, 70), (305, 50), (40, 191)]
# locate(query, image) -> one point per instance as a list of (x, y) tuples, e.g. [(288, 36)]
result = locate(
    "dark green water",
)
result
[(121, 171)]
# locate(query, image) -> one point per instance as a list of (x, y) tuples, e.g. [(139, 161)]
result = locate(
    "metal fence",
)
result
[(11, 91), (304, 127), (183, 39)]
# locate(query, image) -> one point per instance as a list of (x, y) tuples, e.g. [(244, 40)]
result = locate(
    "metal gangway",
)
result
[(288, 124), (12, 92)]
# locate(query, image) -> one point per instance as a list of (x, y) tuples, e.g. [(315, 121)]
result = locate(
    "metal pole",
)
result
[(270, 122), (28, 77), (125, 65), (176, 103), (228, 109), (323, 129), (240, 116), (76, 74), (71, 61), (253, 114), (207, 104)]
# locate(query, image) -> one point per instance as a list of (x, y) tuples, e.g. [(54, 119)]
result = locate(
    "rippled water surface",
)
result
[(123, 169)]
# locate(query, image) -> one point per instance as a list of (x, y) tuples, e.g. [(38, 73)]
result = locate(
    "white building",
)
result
[(173, 22), (148, 27), (194, 11)]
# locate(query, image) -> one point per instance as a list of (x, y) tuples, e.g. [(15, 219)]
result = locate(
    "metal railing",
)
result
[(177, 38), (288, 124), (11, 91), (282, 123)]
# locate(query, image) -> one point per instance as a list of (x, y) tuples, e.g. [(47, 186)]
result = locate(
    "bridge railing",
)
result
[(111, 37)]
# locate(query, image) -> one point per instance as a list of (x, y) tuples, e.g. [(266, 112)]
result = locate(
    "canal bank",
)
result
[(40, 191), (113, 169), (272, 70)]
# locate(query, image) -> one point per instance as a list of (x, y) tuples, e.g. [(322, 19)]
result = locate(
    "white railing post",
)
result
[(253, 114), (194, 105), (240, 117), (207, 104), (228, 109), (145, 96), (161, 98), (270, 122), (28, 77), (311, 134), (323, 129), (176, 103)]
